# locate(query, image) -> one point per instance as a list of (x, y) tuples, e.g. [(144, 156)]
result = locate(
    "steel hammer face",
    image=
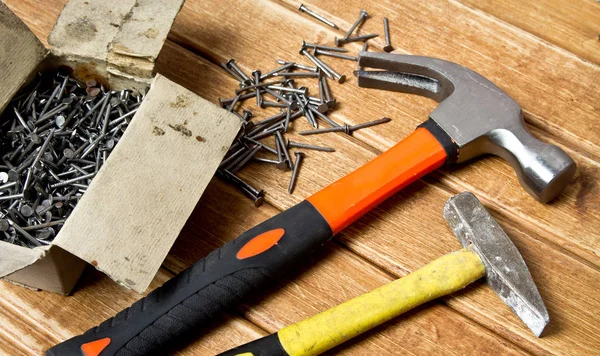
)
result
[(475, 115), (506, 272)]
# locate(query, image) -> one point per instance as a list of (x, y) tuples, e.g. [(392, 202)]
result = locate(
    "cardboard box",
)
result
[(137, 204)]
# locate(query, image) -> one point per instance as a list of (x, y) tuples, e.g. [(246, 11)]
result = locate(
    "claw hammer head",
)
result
[(477, 116), (506, 272)]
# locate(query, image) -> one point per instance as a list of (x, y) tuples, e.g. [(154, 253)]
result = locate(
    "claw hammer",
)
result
[(474, 117), (488, 252)]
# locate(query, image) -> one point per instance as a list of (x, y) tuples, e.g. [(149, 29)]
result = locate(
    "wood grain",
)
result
[(572, 25), (558, 241)]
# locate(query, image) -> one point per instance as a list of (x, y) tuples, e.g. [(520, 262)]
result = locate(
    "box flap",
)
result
[(14, 258), (20, 54), (139, 201), (125, 35), (140, 39), (57, 271)]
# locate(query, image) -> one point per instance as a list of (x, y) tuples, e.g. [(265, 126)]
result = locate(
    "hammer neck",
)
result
[(444, 139), (346, 200)]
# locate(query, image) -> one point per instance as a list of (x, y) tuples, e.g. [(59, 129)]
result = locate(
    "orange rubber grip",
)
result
[(344, 201)]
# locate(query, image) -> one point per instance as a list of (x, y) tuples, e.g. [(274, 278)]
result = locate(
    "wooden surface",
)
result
[(545, 54)]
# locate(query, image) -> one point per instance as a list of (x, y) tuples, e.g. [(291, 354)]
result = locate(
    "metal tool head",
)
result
[(477, 115), (506, 272)]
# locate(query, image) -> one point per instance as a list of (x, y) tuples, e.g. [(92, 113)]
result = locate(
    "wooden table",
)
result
[(545, 54)]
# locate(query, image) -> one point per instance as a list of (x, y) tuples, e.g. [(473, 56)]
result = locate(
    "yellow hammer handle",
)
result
[(332, 327)]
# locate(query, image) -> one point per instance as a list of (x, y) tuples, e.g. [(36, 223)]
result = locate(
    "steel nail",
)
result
[(340, 77), (333, 54), (325, 130), (232, 73), (292, 144), (255, 194), (304, 9), (362, 17), (233, 66), (386, 29), (286, 154), (369, 124), (327, 48), (318, 63), (294, 179), (342, 41), (277, 70), (256, 74), (299, 74)]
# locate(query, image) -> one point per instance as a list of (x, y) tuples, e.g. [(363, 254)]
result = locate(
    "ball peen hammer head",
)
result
[(506, 272), (477, 116)]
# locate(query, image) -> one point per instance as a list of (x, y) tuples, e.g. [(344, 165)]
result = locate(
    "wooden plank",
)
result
[(332, 276), (572, 25), (42, 23), (563, 220), (35, 321)]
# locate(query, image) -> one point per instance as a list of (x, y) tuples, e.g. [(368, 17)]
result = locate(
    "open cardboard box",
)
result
[(142, 196)]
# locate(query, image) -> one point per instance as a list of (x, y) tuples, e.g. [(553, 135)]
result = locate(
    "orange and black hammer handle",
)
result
[(228, 275)]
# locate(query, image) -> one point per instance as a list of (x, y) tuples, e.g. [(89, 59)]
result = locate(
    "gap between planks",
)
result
[(524, 32), (580, 28), (515, 221)]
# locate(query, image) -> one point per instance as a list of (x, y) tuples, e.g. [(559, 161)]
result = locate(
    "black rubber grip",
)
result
[(265, 346), (214, 284)]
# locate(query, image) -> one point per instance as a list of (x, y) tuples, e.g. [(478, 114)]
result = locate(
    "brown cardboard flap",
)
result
[(136, 206), (85, 28), (20, 54), (57, 271), (114, 37), (13, 257), (141, 37)]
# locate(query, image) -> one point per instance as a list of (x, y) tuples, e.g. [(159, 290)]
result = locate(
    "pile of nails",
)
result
[(54, 137), (277, 88)]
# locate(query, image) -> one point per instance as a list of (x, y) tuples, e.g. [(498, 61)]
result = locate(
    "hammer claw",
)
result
[(401, 82), (475, 114)]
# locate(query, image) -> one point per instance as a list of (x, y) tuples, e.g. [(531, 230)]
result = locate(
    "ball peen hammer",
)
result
[(488, 252), (474, 117)]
